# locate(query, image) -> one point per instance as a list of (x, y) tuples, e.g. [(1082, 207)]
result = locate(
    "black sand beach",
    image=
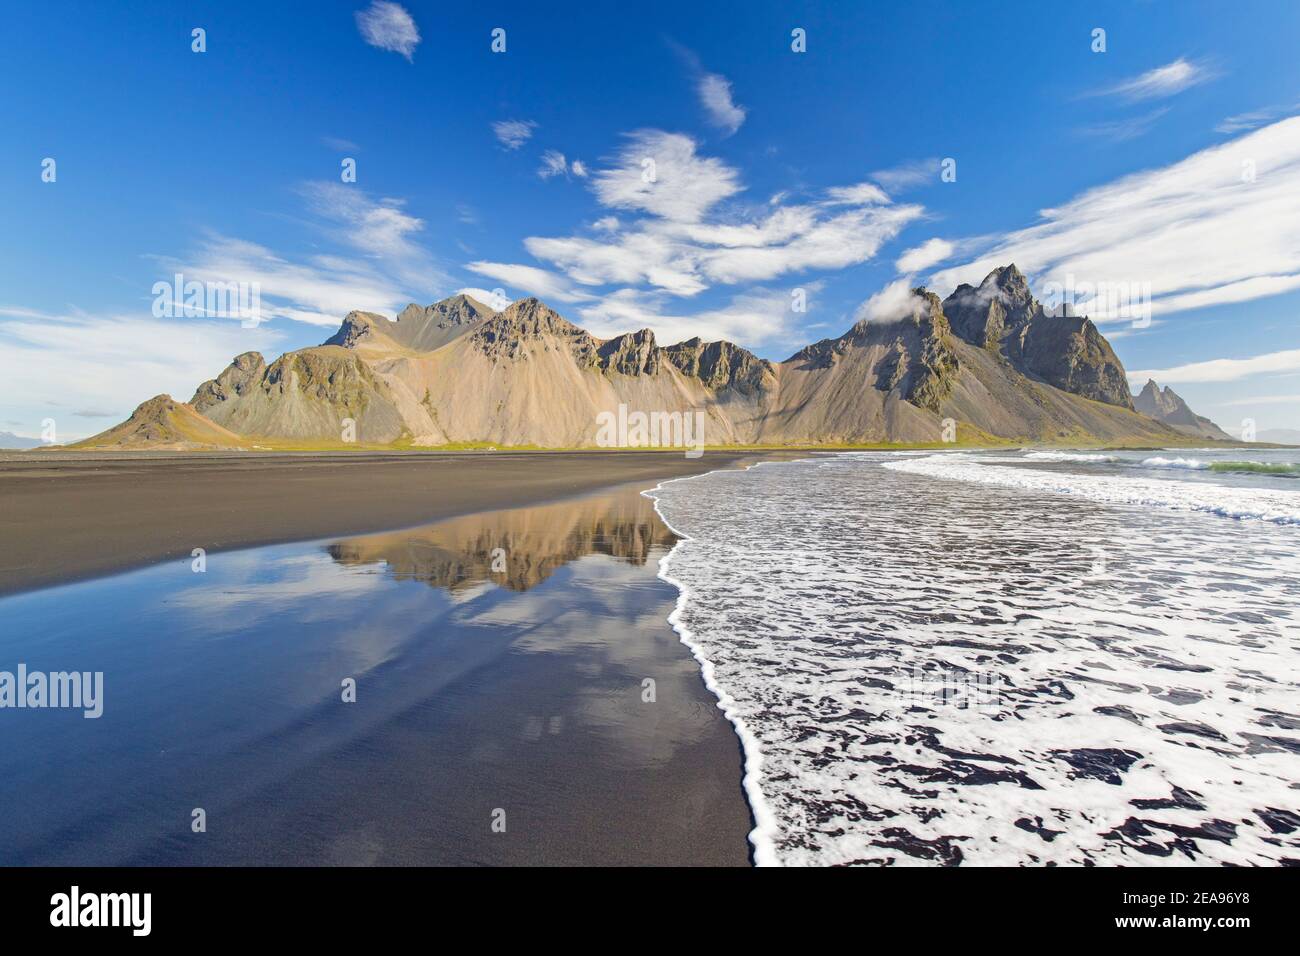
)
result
[(520, 697), (69, 516)]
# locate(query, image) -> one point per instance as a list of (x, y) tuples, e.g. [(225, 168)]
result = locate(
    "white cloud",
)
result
[(1163, 81), (1223, 370), (111, 363), (578, 168), (927, 254), (686, 239), (860, 194), (715, 95), (513, 133), (495, 299), (753, 317), (553, 164), (319, 290), (909, 174), (1241, 122), (660, 173), (894, 302), (389, 27), (1263, 400), (379, 227), (685, 244), (535, 281), (1122, 130), (1221, 226), (390, 269)]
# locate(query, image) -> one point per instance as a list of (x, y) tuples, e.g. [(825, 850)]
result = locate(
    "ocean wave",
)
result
[(1142, 705), (1187, 464), (1066, 456), (1256, 467), (1276, 506)]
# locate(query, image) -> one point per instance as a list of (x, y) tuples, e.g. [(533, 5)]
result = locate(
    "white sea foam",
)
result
[(1066, 456), (1189, 464), (1264, 504), (1143, 663)]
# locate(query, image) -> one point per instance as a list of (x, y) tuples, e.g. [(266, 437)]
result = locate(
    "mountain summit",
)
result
[(1168, 407), (987, 358), (1065, 351)]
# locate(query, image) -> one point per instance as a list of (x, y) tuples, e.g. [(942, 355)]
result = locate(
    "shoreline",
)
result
[(762, 837), (74, 518)]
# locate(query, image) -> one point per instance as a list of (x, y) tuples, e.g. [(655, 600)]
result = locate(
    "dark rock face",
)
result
[(1167, 406), (239, 377), (507, 333), (421, 328), (1067, 352), (722, 365), (633, 353), (934, 371), (340, 379), (430, 327), (356, 328), (919, 364)]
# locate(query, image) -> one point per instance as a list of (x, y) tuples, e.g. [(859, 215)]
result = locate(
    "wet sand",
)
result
[(501, 717), (69, 516)]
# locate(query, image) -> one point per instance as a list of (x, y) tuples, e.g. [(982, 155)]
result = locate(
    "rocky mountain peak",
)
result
[(1067, 352), (633, 353), (722, 365), (238, 378), (1166, 405)]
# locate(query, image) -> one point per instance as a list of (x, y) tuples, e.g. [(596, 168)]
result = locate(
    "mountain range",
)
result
[(986, 364)]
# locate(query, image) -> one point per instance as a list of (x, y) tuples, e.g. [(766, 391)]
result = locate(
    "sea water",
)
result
[(1004, 658)]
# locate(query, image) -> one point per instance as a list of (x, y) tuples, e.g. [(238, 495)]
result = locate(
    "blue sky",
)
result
[(1170, 163)]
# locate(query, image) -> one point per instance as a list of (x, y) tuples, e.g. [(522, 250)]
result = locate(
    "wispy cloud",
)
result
[(513, 133), (907, 175), (1262, 400), (110, 363), (379, 267), (1224, 370), (1220, 226), (340, 145), (715, 96), (1167, 80), (1123, 130), (389, 27), (1242, 122), (531, 279), (754, 316), (555, 164)]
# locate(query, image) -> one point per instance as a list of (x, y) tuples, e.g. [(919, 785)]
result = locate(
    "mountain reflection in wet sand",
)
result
[(477, 691), (526, 545)]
